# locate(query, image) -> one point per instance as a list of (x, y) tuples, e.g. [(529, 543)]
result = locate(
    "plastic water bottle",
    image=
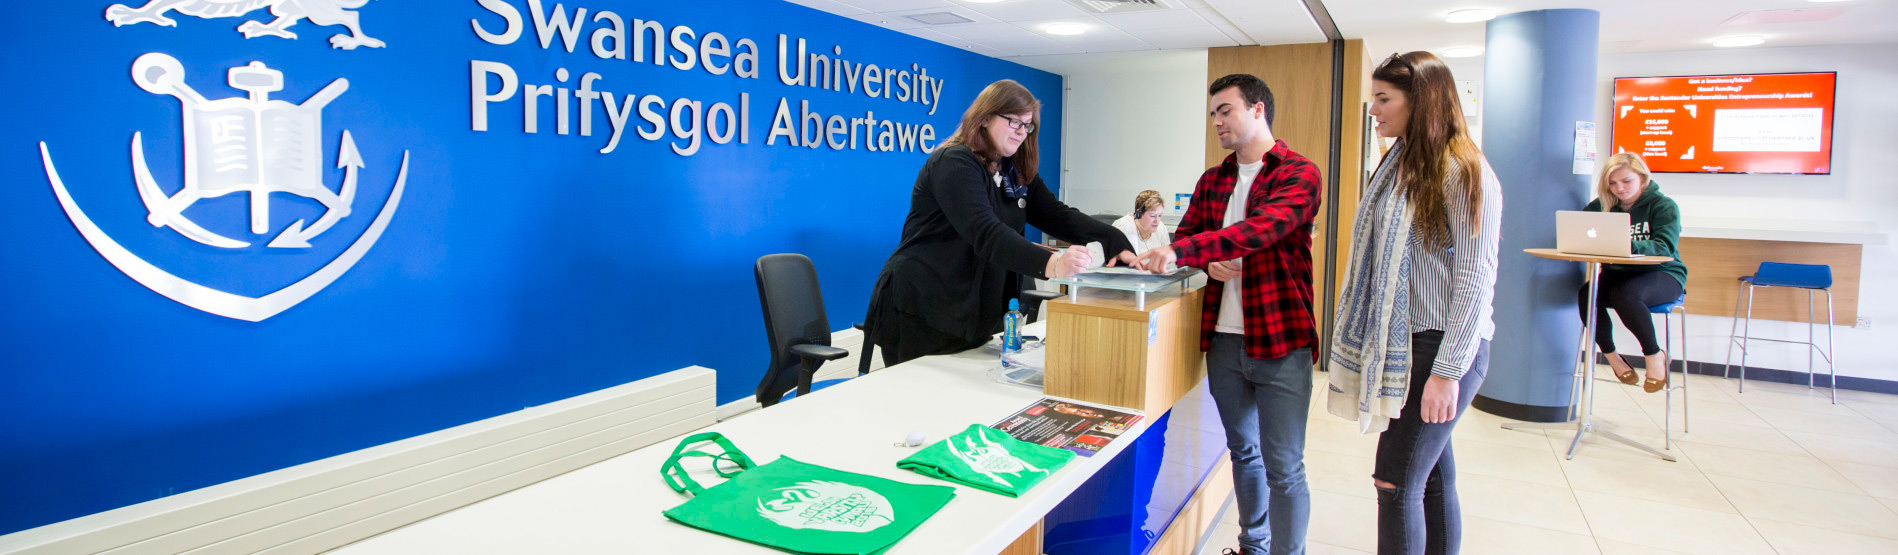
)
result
[(1011, 330)]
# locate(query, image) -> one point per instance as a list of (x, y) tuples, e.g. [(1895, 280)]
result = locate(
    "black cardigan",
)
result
[(963, 246)]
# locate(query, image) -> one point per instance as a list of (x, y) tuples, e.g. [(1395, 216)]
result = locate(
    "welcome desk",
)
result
[(1147, 492)]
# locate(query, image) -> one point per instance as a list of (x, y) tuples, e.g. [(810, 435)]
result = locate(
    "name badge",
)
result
[(1021, 203)]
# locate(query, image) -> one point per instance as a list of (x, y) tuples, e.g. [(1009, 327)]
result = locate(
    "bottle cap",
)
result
[(1014, 304)]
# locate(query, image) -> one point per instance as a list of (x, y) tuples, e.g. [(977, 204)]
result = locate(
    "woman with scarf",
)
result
[(1411, 345)]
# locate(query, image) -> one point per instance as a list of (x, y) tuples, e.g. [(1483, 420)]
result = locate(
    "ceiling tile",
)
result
[(1024, 10), (831, 6), (987, 33), (888, 22), (893, 5), (1098, 38), (1206, 37), (1158, 19), (1029, 46)]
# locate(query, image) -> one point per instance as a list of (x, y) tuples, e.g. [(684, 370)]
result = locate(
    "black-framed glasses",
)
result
[(1018, 124)]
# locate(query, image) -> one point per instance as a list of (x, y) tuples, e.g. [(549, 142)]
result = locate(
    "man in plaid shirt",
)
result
[(1250, 228)]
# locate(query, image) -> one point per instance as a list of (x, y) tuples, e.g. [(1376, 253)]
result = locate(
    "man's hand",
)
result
[(1157, 259), (1125, 258), (1439, 399), (1223, 270)]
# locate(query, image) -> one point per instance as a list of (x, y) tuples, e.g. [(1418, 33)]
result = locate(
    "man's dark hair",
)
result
[(1251, 88)]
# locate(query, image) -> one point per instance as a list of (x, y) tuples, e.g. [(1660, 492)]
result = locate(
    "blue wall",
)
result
[(517, 269)]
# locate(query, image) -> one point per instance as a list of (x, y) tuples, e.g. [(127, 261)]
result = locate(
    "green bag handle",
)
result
[(675, 473)]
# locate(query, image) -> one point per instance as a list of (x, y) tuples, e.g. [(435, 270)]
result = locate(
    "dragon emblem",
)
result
[(288, 12)]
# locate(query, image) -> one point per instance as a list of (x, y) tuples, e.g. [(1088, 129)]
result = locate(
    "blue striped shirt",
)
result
[(1452, 289)]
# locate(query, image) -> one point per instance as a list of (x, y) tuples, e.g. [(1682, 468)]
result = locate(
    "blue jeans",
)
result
[(1263, 404), (1422, 515)]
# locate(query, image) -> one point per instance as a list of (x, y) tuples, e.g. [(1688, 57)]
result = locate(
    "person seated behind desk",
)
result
[(1143, 225), (1656, 227)]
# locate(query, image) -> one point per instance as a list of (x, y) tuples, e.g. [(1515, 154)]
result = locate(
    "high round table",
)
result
[(1582, 399)]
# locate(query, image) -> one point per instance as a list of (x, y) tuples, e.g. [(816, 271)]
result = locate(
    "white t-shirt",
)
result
[(1232, 318), (1127, 226)]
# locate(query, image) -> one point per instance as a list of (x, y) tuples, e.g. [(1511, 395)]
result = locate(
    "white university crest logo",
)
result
[(254, 145)]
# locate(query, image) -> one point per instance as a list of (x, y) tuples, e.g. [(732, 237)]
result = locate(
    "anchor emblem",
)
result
[(255, 145)]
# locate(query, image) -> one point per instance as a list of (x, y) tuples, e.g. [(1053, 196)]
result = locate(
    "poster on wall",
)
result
[(1766, 123)]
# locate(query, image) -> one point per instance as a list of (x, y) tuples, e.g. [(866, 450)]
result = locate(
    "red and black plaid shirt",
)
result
[(1275, 241)]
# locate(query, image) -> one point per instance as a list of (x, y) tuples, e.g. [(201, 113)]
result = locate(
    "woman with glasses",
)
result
[(947, 286), (1414, 320)]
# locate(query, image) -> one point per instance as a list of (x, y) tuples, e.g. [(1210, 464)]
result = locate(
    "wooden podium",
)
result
[(1103, 348)]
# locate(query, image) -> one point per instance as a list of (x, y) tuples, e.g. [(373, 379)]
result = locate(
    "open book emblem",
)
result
[(254, 145)]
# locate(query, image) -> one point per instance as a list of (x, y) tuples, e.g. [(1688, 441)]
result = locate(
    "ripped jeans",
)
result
[(1421, 515)]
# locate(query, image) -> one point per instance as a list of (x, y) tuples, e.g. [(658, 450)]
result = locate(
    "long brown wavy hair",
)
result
[(1001, 97), (1436, 139)]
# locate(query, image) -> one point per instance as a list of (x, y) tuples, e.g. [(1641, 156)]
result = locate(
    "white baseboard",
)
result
[(332, 502)]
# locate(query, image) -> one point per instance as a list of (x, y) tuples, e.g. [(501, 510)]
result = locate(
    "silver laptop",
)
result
[(1593, 233)]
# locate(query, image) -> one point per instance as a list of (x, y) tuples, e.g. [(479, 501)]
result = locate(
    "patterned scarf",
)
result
[(1369, 368)]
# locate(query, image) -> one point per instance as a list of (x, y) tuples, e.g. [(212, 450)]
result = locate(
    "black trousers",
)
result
[(1630, 294), (1423, 515)]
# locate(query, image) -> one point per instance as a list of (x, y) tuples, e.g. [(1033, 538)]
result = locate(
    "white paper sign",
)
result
[(1584, 148)]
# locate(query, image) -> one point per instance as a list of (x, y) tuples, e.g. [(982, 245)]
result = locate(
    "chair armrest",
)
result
[(811, 351)]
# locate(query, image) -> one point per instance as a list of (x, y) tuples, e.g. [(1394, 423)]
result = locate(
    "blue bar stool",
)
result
[(1812, 278), (1667, 320)]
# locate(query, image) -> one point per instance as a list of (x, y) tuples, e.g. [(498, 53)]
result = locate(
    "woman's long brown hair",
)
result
[(1436, 139), (1001, 97)]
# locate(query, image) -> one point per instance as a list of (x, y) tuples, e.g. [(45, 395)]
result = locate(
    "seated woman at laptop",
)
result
[(1655, 221)]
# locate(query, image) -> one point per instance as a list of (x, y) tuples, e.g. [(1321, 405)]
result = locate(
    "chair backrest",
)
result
[(793, 309), (1108, 219)]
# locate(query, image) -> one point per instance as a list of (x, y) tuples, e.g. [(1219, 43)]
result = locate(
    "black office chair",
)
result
[(794, 324), (1108, 218)]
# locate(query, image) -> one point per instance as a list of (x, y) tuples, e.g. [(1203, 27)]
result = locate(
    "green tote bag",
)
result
[(797, 506), (989, 459)]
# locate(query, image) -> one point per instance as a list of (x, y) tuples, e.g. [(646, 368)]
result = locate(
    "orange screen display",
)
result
[(1772, 123)]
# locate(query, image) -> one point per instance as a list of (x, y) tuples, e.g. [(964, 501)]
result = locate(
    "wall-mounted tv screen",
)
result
[(1765, 123)]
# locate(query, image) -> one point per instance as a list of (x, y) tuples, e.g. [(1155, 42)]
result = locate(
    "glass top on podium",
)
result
[(1126, 279)]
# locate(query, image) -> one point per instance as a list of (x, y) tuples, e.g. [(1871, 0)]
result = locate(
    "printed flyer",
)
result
[(1083, 429)]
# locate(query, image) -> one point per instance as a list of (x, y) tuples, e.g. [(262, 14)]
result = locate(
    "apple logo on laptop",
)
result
[(1591, 233)]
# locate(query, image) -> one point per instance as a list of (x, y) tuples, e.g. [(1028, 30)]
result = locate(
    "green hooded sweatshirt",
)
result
[(1655, 222)]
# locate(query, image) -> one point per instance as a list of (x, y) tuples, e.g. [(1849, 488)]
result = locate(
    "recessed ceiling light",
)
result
[(1470, 16), (1739, 40), (1462, 51), (1064, 28)]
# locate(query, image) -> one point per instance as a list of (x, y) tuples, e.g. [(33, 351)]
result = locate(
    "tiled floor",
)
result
[(1777, 469)]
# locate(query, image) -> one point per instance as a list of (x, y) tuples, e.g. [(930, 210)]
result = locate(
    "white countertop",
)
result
[(614, 506), (1801, 231)]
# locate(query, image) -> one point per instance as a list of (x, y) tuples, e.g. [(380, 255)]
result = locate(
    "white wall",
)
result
[(1134, 121), (1862, 190)]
